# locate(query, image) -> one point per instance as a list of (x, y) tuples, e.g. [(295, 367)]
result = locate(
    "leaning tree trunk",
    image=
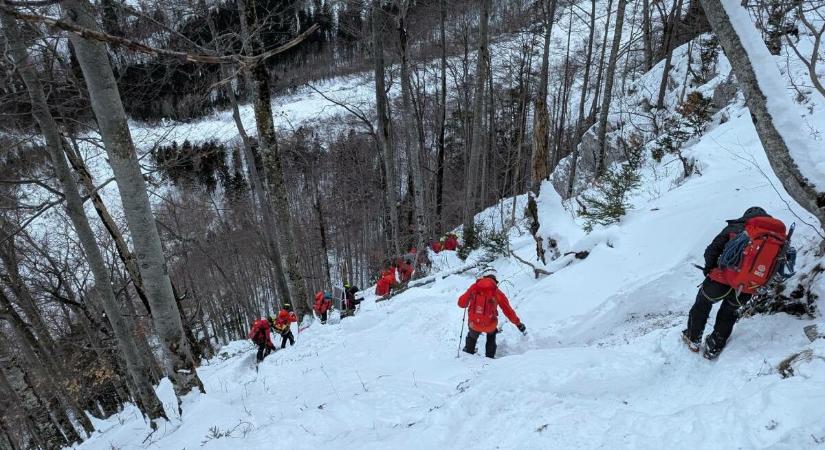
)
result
[(477, 136), (608, 89), (384, 133), (776, 133), (114, 129), (74, 209)]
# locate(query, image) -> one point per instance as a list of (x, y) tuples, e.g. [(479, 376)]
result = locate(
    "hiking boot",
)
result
[(471, 351), (712, 347), (693, 344)]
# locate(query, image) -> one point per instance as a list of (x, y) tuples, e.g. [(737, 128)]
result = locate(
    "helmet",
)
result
[(489, 272), (327, 296), (346, 285), (754, 211)]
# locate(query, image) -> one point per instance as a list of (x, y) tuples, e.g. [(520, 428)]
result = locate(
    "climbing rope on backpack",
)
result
[(732, 254)]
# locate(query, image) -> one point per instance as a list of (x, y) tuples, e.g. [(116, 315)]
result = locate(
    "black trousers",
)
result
[(709, 293), (287, 337), (324, 316), (472, 339), (264, 349)]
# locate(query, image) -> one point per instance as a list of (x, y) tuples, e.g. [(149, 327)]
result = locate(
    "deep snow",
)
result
[(602, 366)]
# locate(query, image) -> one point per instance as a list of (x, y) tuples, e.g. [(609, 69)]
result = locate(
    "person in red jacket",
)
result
[(437, 246), (386, 282), (405, 270), (323, 303), (451, 243), (259, 334), (281, 325), (482, 301)]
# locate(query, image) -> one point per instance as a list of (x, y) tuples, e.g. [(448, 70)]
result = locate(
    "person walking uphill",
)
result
[(285, 318), (259, 334), (739, 260), (482, 301)]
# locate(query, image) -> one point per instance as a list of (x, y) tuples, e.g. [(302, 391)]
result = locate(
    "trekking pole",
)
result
[(461, 335)]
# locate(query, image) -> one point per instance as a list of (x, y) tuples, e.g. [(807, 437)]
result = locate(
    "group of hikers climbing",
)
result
[(260, 332), (744, 257)]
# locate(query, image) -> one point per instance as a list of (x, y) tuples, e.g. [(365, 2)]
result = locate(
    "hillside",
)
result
[(603, 365)]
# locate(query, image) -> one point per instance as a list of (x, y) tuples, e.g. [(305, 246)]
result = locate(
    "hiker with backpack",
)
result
[(282, 326), (739, 260), (259, 334), (482, 301), (322, 305)]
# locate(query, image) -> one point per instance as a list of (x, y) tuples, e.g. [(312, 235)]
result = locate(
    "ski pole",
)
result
[(461, 335)]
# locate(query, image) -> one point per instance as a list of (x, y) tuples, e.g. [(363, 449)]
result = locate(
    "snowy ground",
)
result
[(602, 367)]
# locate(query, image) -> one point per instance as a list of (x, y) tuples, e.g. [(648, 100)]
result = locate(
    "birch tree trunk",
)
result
[(74, 208), (774, 140), (114, 129), (477, 137), (608, 88)]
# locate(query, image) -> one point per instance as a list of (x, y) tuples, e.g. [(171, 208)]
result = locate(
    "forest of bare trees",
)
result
[(123, 262)]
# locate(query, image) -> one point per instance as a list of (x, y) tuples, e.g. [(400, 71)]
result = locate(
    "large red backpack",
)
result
[(749, 260), (483, 308)]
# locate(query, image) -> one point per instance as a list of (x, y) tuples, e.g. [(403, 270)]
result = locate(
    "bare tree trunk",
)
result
[(114, 129), (271, 156), (608, 88), (263, 203), (475, 144), (647, 32), (581, 126), (775, 143), (599, 74), (415, 150), (442, 123), (46, 372), (670, 37), (541, 118), (74, 209), (385, 141)]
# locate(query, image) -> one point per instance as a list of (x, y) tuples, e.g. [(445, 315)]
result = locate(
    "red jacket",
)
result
[(259, 333), (451, 243), (284, 319), (322, 304), (386, 282), (436, 246), (482, 301)]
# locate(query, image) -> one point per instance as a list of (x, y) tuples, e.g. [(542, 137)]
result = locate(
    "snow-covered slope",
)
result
[(602, 367)]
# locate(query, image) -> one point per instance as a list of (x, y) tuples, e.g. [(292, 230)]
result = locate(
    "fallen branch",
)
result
[(536, 270)]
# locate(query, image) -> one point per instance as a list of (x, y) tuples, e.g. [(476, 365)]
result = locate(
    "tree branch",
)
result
[(138, 47)]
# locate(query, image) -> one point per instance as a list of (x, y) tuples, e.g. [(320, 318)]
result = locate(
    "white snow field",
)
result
[(603, 365)]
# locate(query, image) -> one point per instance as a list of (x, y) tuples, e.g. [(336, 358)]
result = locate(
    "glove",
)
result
[(521, 327), (706, 270)]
